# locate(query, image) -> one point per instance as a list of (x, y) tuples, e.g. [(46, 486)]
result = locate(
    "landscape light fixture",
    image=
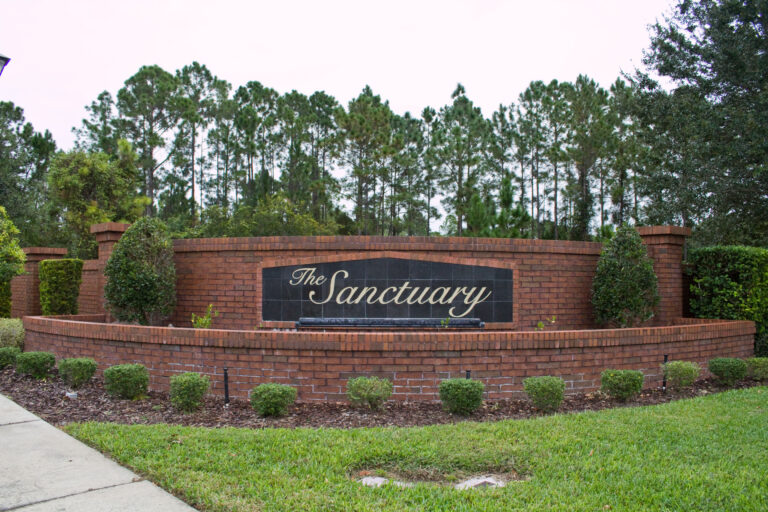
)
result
[(3, 62)]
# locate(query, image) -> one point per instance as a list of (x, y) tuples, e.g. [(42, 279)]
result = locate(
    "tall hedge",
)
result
[(12, 260), (624, 289), (60, 286), (731, 282), (141, 276)]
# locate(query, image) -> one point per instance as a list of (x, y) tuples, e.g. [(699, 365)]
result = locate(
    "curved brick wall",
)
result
[(318, 364)]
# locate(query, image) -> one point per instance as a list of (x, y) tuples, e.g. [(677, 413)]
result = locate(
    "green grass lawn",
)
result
[(708, 453)]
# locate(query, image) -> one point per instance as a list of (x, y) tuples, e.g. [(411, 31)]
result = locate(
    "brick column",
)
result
[(25, 289), (665, 247), (107, 235)]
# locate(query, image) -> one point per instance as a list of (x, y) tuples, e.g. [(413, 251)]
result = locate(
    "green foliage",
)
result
[(188, 390), (728, 370), (757, 368), (680, 374), (546, 392), (8, 356), (141, 276), (272, 399), (12, 260), (624, 291), (731, 282), (12, 333), (205, 321), (77, 371), (36, 364), (461, 396), (60, 286), (369, 391), (621, 384), (129, 381)]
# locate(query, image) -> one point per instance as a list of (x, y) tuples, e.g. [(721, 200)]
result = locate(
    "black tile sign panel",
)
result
[(387, 288)]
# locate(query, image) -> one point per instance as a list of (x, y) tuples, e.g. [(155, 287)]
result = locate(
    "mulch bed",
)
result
[(47, 399)]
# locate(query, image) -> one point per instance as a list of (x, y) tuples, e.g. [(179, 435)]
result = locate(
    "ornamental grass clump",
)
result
[(371, 392), (272, 399), (757, 368), (60, 286), (546, 392), (188, 390), (728, 370), (8, 356), (36, 364), (76, 371), (680, 374), (461, 396), (621, 384), (11, 333), (129, 381)]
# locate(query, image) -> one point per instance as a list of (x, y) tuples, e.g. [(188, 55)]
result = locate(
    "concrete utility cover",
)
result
[(480, 483), (378, 481)]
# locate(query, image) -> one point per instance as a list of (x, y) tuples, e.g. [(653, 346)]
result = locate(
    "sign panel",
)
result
[(387, 288)]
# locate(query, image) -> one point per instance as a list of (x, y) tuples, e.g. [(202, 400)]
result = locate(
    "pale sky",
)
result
[(412, 53)]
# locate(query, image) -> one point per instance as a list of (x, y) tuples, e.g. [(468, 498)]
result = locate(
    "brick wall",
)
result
[(25, 289)]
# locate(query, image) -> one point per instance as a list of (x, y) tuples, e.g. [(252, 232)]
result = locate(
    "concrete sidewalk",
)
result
[(42, 469)]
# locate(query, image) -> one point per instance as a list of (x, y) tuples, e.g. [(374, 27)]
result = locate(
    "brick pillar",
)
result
[(25, 289), (106, 235), (665, 247)]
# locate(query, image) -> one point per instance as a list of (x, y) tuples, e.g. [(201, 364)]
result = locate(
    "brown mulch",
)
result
[(47, 399)]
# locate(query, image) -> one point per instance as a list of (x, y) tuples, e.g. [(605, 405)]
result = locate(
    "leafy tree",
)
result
[(12, 259), (101, 131)]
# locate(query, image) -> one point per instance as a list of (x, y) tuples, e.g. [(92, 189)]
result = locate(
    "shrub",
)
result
[(141, 277), (126, 380), (757, 368), (369, 391), (8, 356), (461, 396), (12, 260), (546, 393), (188, 390), (60, 286), (731, 282), (12, 333), (680, 374), (621, 384), (272, 399), (36, 364), (205, 321), (77, 371), (624, 291), (728, 370)]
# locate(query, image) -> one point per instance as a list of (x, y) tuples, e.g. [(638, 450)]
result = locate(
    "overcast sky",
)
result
[(412, 53)]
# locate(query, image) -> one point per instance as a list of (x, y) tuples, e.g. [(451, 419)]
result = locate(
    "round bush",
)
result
[(36, 364), (757, 368), (129, 381), (461, 396), (272, 399), (624, 289), (60, 286), (188, 390), (621, 384), (77, 371), (681, 374), (546, 392), (8, 356), (728, 370), (141, 277), (369, 391), (11, 333)]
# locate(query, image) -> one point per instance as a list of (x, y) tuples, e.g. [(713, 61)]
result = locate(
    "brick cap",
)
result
[(663, 230), (45, 251), (106, 227)]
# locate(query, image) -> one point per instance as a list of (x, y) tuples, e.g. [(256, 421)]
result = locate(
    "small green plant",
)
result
[(541, 325), (36, 364), (621, 384), (11, 333), (680, 374), (77, 371), (129, 381), (8, 356), (205, 321), (445, 322), (369, 391), (728, 370), (461, 396), (60, 286), (546, 392), (188, 390), (272, 399), (757, 368)]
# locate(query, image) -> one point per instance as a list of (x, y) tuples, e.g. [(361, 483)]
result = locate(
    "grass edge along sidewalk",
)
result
[(705, 453)]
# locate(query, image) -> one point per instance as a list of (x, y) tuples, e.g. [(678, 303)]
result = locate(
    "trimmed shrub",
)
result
[(728, 370), (12, 260), (141, 276), (546, 392), (621, 384), (681, 374), (128, 381), (757, 368), (36, 364), (8, 356), (12, 333), (731, 282), (76, 371), (188, 390), (272, 399), (461, 396), (624, 289), (60, 286), (369, 391)]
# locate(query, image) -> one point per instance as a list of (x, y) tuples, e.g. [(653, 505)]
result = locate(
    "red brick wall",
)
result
[(25, 289)]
